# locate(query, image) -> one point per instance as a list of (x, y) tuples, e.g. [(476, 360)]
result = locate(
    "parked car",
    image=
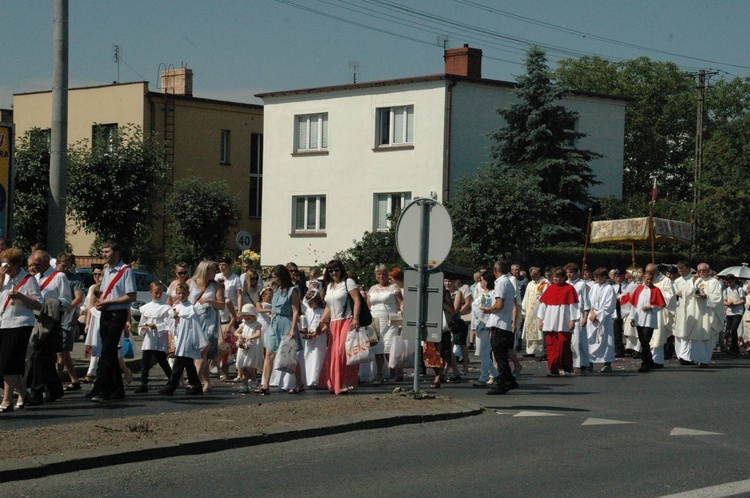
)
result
[(143, 281)]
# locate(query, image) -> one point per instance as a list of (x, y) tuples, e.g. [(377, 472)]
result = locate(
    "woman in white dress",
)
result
[(383, 299)]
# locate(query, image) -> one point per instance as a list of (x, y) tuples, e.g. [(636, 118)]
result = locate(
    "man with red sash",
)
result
[(118, 291), (43, 366), (558, 312), (647, 300)]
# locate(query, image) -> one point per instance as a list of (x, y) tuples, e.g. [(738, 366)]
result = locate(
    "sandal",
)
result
[(87, 380), (435, 385), (261, 391), (296, 390), (454, 379), (73, 386)]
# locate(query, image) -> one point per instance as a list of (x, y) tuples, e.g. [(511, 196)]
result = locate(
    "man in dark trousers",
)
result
[(118, 291)]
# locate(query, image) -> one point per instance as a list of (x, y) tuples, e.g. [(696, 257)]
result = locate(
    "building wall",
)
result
[(121, 104), (475, 115), (197, 148), (351, 173), (198, 125)]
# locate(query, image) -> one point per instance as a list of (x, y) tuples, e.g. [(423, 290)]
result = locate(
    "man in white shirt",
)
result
[(118, 291), (501, 324)]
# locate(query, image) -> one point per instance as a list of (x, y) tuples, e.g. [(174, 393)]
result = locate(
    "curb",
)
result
[(50, 465)]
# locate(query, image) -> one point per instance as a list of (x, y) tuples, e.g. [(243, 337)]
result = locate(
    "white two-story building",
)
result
[(340, 159)]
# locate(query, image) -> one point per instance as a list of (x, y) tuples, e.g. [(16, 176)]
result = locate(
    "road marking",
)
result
[(727, 489), (536, 414), (603, 421), (680, 431)]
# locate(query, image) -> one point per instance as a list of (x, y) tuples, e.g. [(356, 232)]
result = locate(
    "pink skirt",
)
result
[(335, 373)]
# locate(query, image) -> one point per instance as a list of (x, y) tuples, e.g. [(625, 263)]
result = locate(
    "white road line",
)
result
[(536, 414), (727, 489), (604, 421), (680, 431)]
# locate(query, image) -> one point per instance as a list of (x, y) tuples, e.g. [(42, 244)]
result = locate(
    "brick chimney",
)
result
[(177, 81), (464, 61)]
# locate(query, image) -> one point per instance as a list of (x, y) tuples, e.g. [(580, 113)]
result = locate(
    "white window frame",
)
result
[(388, 116), (317, 203), (226, 137), (391, 199), (309, 138)]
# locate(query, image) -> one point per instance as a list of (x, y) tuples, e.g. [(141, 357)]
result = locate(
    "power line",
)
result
[(575, 32)]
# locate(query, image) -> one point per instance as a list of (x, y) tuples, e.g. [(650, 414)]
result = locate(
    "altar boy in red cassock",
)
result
[(558, 312)]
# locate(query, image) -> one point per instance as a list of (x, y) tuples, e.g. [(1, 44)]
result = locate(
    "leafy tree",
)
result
[(496, 214), (202, 214), (535, 143), (115, 186), (659, 118), (31, 190), (725, 190), (373, 249)]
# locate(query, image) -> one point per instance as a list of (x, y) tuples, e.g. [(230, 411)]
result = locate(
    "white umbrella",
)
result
[(742, 272)]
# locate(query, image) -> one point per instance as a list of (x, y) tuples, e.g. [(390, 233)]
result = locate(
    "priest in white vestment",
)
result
[(703, 318), (532, 335)]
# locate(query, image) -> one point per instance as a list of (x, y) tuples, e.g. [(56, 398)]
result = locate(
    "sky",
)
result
[(238, 48)]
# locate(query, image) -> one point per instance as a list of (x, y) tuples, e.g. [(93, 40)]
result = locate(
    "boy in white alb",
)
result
[(154, 328), (189, 340)]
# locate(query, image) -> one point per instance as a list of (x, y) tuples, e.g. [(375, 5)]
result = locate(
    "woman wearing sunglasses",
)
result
[(343, 301)]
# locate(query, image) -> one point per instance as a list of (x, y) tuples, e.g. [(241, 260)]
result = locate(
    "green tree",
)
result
[(537, 142), (724, 203), (497, 213), (201, 216), (115, 186), (373, 249), (31, 190), (659, 118)]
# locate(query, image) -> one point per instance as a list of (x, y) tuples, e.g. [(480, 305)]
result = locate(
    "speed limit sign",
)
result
[(244, 240)]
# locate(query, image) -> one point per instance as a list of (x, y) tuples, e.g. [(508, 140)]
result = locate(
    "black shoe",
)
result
[(101, 398), (513, 385), (141, 389), (167, 391), (657, 366), (501, 389), (686, 362), (194, 390), (117, 396), (48, 398), (644, 368)]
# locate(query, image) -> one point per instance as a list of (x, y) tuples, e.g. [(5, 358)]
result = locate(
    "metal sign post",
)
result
[(423, 237)]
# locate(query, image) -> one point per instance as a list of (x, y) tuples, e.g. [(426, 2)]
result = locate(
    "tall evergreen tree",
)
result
[(539, 140)]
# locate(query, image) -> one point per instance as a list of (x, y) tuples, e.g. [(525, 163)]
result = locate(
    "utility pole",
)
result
[(701, 75), (59, 140)]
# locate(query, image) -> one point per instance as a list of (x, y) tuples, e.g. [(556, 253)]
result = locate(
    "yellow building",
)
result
[(204, 138)]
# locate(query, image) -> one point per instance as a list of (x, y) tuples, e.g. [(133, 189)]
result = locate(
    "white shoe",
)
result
[(244, 389)]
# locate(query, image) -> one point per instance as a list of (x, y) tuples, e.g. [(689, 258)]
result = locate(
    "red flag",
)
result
[(653, 192)]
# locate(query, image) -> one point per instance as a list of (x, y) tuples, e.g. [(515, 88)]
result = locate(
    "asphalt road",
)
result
[(623, 434)]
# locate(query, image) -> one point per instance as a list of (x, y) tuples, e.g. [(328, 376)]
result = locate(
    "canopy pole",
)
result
[(653, 235), (632, 252), (586, 243)]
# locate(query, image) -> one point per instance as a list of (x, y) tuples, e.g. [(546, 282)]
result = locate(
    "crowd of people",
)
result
[(205, 322)]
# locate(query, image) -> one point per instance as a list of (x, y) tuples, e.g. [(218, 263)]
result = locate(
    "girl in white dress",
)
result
[(314, 344), (249, 346)]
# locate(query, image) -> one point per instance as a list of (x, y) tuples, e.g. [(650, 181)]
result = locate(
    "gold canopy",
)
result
[(633, 230)]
